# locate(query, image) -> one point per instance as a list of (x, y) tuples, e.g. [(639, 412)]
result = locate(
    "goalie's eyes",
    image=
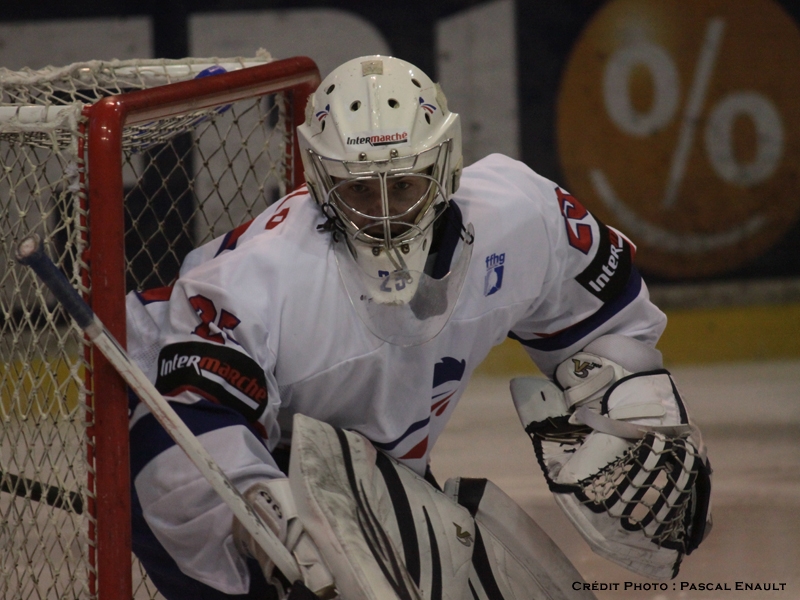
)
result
[(355, 188), (364, 196), (361, 188), (402, 185)]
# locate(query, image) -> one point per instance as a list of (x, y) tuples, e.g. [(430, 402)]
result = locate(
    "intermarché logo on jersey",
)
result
[(218, 373), (608, 273)]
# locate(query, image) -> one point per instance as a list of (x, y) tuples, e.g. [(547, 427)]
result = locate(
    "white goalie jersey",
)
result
[(259, 327)]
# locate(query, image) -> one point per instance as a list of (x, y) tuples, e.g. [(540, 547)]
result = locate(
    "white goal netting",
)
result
[(186, 179)]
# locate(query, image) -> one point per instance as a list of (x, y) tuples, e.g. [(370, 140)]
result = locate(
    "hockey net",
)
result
[(122, 168)]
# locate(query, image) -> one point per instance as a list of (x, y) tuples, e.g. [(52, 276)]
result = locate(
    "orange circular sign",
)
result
[(679, 123)]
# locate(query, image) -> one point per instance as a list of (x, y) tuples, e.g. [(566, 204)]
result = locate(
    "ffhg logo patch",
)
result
[(494, 273)]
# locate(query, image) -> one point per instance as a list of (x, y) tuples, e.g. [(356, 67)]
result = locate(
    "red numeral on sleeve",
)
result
[(579, 234), (210, 328)]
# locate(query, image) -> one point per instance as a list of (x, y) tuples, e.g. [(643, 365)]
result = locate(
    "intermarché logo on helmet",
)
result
[(380, 139)]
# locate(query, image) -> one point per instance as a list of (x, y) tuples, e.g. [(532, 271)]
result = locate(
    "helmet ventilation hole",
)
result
[(323, 126), (393, 103), (416, 83), (330, 89), (428, 118), (355, 105)]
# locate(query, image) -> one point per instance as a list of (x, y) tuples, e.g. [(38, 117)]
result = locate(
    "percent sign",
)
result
[(718, 133)]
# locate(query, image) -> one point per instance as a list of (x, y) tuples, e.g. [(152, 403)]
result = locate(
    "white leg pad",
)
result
[(514, 558), (383, 531)]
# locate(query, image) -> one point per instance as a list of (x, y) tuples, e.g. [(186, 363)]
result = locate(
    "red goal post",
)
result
[(107, 120), (205, 141)]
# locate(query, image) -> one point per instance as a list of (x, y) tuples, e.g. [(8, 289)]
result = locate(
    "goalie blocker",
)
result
[(620, 454), (385, 532)]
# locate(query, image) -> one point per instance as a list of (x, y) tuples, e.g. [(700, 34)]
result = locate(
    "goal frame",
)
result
[(297, 77)]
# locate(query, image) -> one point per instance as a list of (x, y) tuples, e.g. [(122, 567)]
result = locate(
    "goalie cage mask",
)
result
[(645, 510), (382, 156)]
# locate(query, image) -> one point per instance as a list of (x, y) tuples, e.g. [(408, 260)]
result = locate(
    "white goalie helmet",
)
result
[(382, 156)]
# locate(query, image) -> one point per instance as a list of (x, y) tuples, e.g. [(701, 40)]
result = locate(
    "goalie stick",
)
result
[(30, 253), (41, 492)]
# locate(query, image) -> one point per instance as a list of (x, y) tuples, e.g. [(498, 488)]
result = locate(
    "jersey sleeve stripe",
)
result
[(232, 237), (571, 335), (148, 437), (164, 572), (160, 294)]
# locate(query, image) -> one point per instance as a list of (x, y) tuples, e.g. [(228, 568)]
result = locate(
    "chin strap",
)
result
[(332, 222)]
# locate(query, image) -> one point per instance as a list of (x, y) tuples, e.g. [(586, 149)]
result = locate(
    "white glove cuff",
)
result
[(589, 374), (631, 354)]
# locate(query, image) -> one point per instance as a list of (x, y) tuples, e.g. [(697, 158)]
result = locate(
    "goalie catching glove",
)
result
[(619, 453)]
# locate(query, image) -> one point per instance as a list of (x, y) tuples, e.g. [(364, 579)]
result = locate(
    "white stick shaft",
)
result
[(31, 253), (186, 440)]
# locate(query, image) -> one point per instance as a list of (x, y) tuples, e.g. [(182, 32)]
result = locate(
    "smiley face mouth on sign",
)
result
[(678, 123)]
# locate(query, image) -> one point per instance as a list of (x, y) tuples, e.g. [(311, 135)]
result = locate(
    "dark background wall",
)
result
[(544, 61)]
